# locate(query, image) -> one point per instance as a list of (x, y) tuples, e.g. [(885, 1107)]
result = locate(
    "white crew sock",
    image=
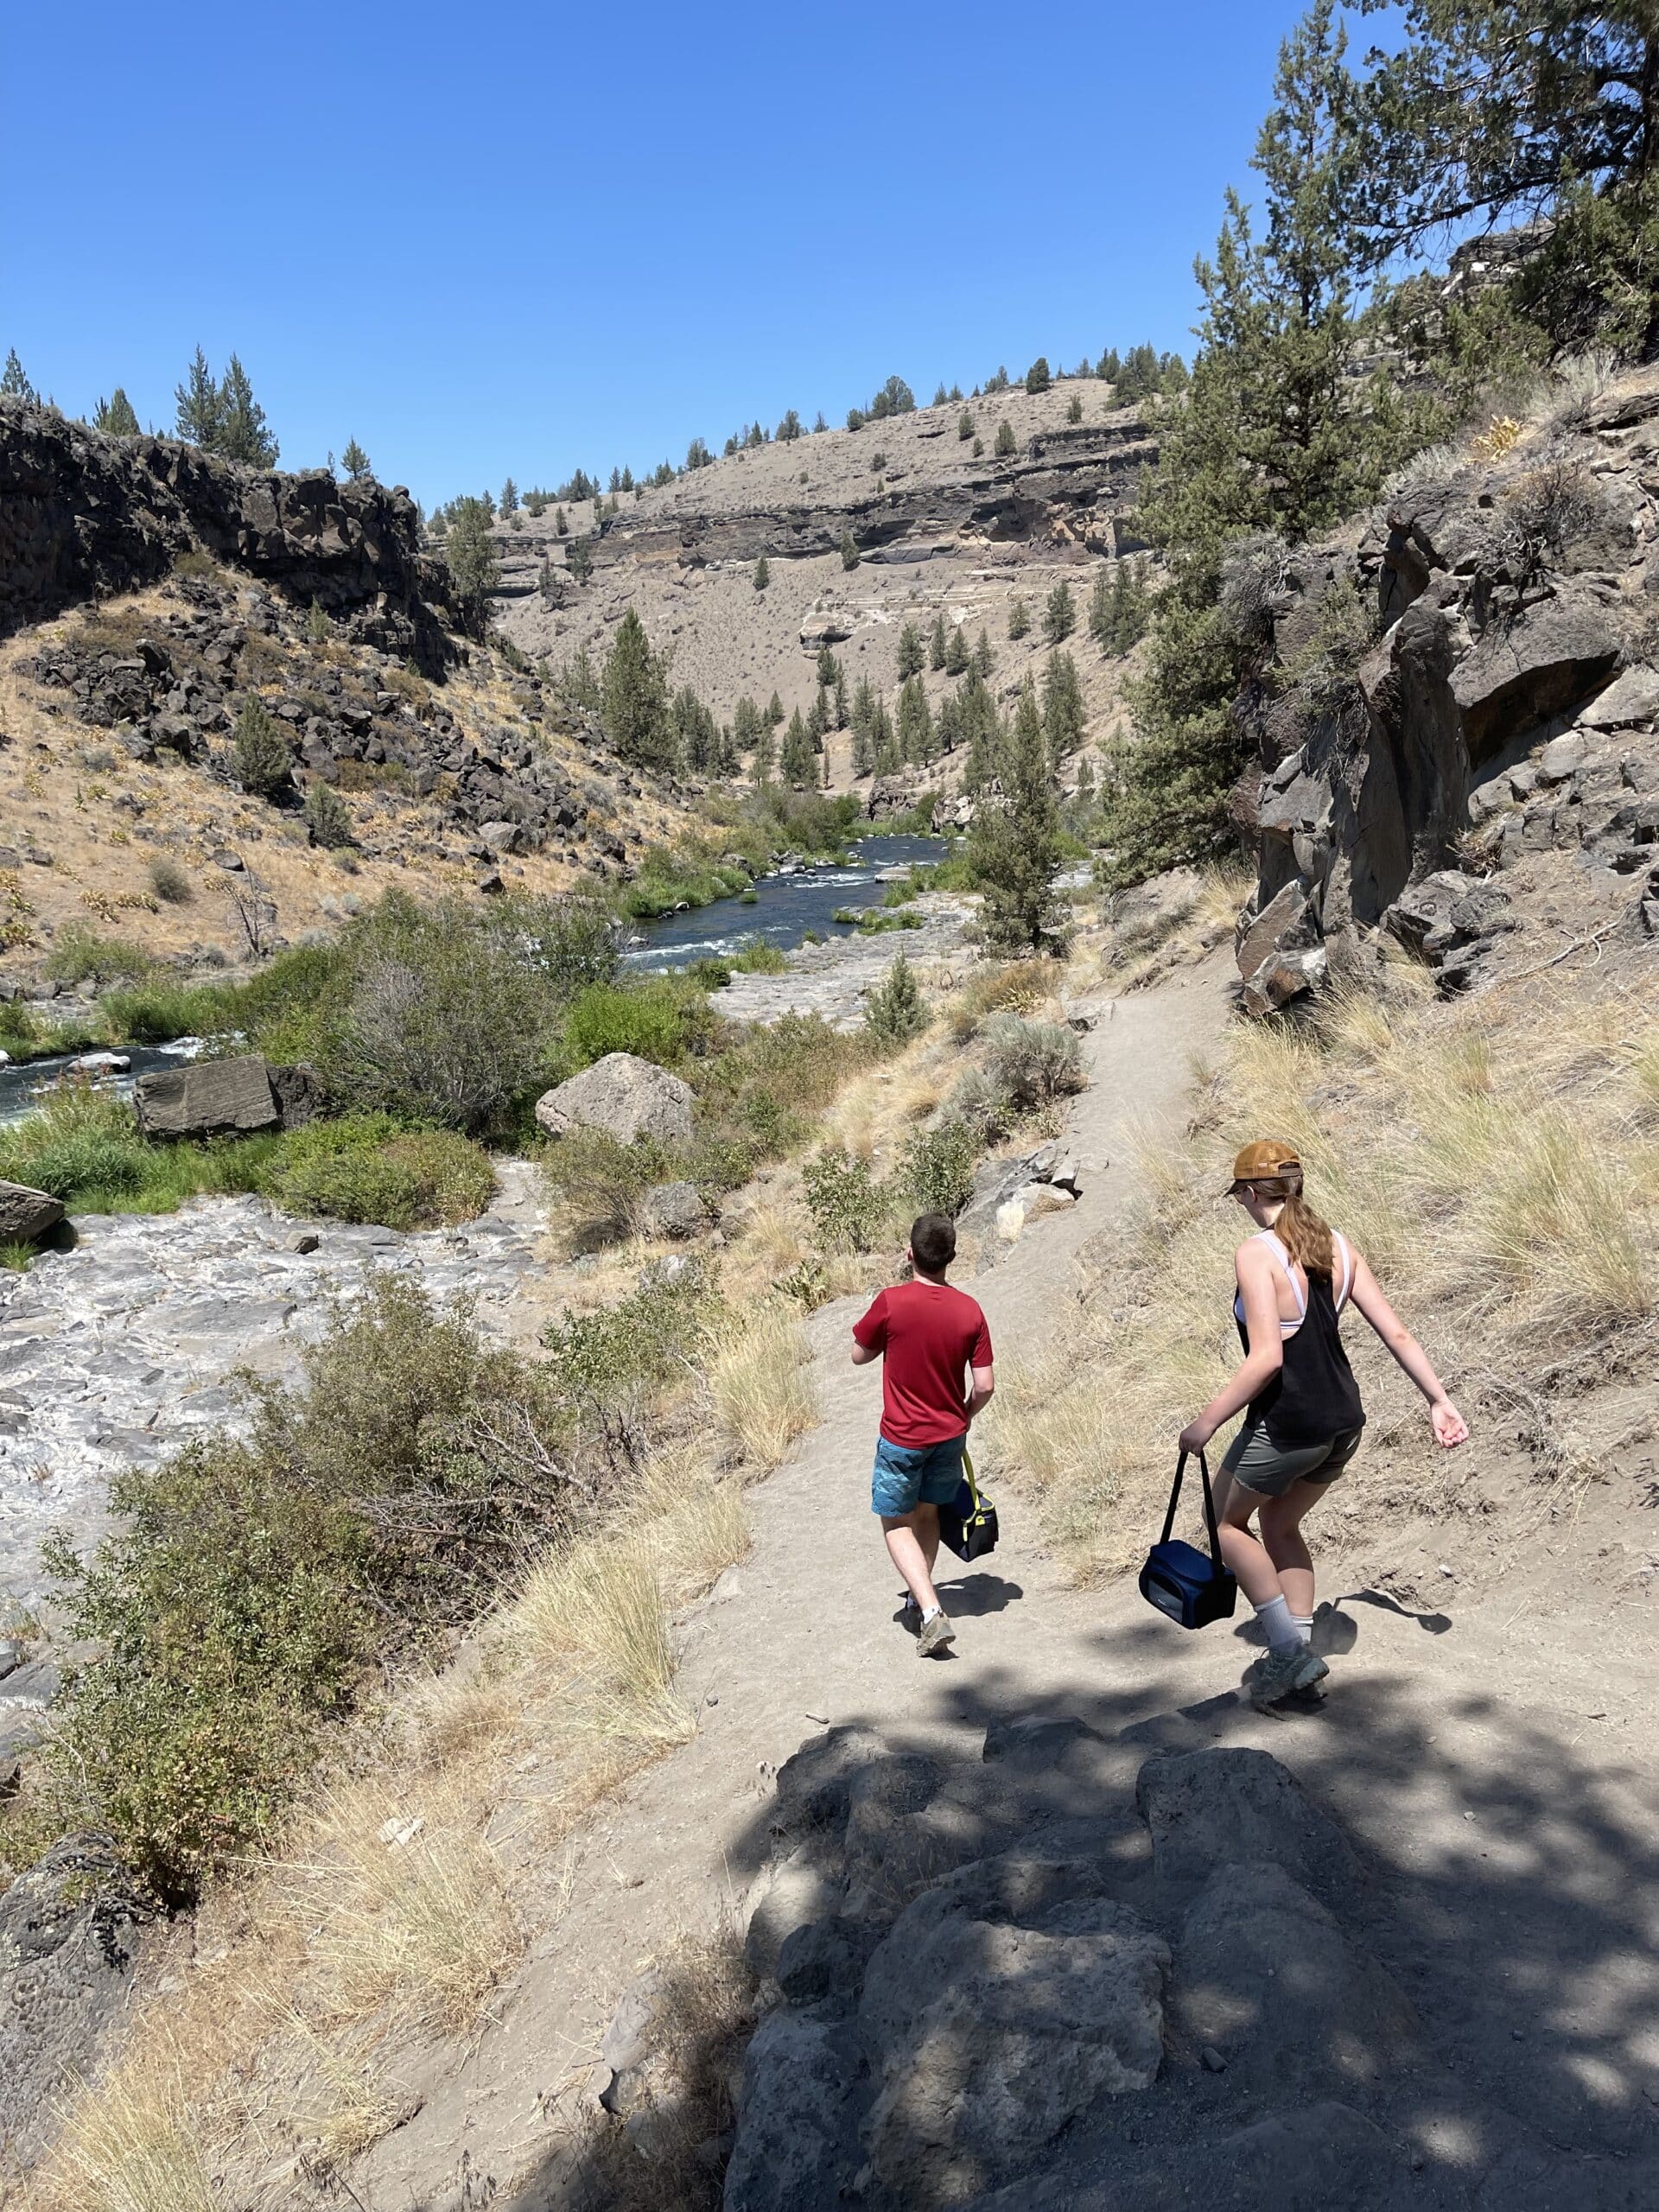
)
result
[(1303, 1624), (932, 1613), (1277, 1625)]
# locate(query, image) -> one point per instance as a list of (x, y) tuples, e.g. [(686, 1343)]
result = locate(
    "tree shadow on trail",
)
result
[(1505, 1883)]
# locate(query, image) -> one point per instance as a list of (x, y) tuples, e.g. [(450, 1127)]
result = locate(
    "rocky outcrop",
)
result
[(26, 1215), (215, 1098), (624, 1098), (83, 516), (1491, 718), (995, 1983)]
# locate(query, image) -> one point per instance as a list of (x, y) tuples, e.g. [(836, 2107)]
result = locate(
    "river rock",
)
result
[(212, 1099), (623, 1096), (26, 1214), (673, 1209)]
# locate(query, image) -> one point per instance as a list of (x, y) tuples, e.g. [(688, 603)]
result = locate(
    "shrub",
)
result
[(82, 1140), (981, 1104), (597, 1186), (664, 1019), (894, 1012), (327, 816), (170, 883), (1019, 619), (1033, 1062), (450, 1013), (850, 1211), (938, 1169), (605, 1365), (247, 1583), (260, 759), (1005, 447), (81, 956), (368, 1168), (758, 958)]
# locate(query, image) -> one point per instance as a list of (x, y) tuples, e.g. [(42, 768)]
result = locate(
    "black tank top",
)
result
[(1313, 1397)]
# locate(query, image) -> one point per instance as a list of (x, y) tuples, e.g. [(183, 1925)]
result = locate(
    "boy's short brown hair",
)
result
[(933, 1242)]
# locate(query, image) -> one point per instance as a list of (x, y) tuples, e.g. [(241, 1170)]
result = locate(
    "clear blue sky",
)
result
[(510, 237)]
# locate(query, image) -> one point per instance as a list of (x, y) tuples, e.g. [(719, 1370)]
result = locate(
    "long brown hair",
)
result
[(1304, 1234)]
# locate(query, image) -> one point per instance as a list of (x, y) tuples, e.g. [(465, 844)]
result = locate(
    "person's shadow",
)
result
[(1336, 1632), (973, 1595)]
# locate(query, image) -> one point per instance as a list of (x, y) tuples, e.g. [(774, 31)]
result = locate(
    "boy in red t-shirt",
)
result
[(929, 1337)]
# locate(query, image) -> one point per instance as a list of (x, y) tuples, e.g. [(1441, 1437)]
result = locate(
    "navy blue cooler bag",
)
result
[(1191, 1587)]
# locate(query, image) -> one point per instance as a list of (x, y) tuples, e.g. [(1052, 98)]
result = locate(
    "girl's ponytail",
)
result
[(1304, 1234)]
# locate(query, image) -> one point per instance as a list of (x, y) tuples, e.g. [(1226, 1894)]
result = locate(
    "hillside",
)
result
[(150, 593), (937, 530)]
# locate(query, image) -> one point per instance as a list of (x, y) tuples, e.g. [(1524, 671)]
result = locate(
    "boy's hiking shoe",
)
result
[(910, 1615), (934, 1633), (1277, 1672)]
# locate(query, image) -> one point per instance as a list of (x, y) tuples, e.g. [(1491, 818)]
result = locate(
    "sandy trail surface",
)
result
[(1499, 1778)]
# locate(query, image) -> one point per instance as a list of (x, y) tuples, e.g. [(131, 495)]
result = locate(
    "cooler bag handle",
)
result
[(1209, 1508)]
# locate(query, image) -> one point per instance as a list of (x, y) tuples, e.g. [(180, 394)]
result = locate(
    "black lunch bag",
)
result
[(1191, 1587), (967, 1524)]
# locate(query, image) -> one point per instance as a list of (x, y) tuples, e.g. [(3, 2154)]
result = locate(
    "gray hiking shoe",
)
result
[(936, 1633), (1277, 1672)]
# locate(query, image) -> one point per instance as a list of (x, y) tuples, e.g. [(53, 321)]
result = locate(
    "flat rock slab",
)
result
[(624, 1097), (210, 1098)]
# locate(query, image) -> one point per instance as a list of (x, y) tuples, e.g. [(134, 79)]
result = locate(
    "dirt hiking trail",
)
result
[(1496, 1772)]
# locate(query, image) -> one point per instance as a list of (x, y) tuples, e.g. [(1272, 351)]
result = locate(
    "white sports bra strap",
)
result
[(1347, 1268), (1283, 1258)]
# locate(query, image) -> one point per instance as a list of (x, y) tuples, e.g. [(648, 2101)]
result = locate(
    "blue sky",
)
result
[(516, 238)]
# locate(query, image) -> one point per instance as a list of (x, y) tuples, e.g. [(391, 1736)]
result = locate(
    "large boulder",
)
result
[(69, 1931), (1205, 1809), (673, 1209), (1266, 1977), (1007, 2002), (212, 1099), (796, 2150), (25, 1214), (623, 1096)]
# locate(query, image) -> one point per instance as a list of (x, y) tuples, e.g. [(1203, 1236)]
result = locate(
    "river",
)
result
[(785, 906)]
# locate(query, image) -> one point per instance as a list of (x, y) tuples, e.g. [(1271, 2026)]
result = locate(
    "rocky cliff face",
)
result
[(936, 529), (83, 516), (1508, 707)]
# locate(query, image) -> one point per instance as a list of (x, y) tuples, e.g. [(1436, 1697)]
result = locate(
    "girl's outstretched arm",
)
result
[(1450, 1427)]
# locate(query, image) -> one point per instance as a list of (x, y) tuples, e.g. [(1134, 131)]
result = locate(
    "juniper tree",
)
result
[(327, 818), (1062, 715), (860, 752), (1006, 445), (947, 723), (911, 652), (261, 760), (774, 712), (938, 643), (560, 522), (1037, 375), (1019, 619), (955, 395), (470, 553), (848, 550), (198, 404), (1109, 368), (762, 574), (579, 560), (627, 479), (817, 719), (765, 755), (790, 429), (1060, 615), (633, 702), (1099, 607), (509, 498), (955, 652), (697, 454), (841, 697), (917, 739), (883, 750), (1074, 408), (115, 416), (965, 425), (795, 763), (940, 394), (863, 706), (244, 435), (829, 668), (979, 448), (1014, 848), (748, 722), (984, 657), (695, 733)]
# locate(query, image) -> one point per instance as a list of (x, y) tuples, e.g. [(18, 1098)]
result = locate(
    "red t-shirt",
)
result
[(928, 1335)]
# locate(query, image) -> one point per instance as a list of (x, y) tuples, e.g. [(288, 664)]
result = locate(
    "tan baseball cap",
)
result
[(1265, 1157)]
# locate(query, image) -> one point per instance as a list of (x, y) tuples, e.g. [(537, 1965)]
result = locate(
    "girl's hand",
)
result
[(1450, 1427), (1195, 1435)]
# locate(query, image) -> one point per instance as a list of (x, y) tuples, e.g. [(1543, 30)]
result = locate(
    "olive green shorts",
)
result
[(1268, 1470)]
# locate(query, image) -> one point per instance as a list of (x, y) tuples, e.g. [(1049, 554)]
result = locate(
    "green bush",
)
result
[(81, 956), (368, 1168), (606, 1365), (327, 816), (596, 1185), (84, 1148), (169, 882), (894, 1012), (850, 1211), (1033, 1062), (938, 1167), (662, 1020), (262, 759), (248, 1585), (758, 958)]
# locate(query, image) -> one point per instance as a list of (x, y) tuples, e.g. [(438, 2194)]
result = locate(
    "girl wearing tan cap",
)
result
[(1302, 1412)]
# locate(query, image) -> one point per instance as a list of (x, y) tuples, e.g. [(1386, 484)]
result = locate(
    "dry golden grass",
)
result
[(1493, 1158), (761, 1385), (133, 2148)]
